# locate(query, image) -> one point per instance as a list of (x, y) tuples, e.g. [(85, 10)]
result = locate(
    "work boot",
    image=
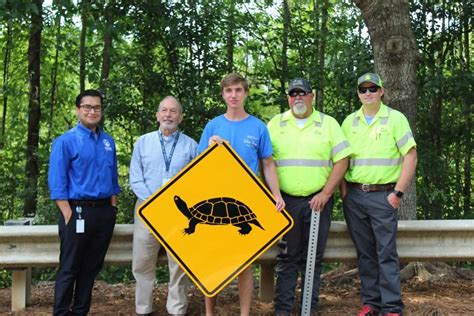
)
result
[(368, 310)]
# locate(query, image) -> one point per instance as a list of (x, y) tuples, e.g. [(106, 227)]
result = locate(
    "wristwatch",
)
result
[(398, 194)]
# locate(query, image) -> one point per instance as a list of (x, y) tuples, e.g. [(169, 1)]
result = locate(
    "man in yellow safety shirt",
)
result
[(311, 153), (380, 170)]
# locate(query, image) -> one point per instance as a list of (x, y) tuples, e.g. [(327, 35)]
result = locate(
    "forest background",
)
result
[(137, 52)]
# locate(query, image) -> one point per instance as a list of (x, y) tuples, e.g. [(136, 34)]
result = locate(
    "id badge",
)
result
[(80, 226), (166, 178)]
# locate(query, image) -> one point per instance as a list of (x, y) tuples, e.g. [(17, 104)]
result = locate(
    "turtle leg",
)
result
[(245, 228), (192, 226)]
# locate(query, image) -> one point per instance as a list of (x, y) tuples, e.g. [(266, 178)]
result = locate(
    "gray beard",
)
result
[(299, 108)]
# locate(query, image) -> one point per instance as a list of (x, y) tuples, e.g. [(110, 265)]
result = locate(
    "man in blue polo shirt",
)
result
[(83, 181)]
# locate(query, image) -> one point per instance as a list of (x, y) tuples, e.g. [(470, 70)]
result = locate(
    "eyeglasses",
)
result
[(371, 89), (88, 107), (298, 92)]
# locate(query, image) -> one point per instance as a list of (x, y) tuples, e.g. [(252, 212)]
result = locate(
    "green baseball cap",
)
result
[(370, 77)]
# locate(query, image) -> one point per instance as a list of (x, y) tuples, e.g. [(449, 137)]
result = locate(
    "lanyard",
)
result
[(168, 160)]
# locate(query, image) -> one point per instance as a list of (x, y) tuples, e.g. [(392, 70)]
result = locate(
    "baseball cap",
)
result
[(301, 84), (370, 77)]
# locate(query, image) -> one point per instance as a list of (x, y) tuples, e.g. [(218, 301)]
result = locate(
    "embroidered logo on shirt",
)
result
[(107, 145), (251, 141)]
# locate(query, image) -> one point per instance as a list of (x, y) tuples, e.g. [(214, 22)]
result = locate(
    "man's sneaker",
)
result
[(368, 310)]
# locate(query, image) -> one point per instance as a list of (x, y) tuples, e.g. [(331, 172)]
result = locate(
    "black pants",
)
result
[(294, 250), (81, 258)]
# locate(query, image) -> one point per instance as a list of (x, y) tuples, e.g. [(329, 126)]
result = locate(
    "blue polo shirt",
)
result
[(83, 166)]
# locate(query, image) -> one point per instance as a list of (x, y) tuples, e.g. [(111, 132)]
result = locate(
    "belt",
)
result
[(372, 187), (299, 196), (90, 203)]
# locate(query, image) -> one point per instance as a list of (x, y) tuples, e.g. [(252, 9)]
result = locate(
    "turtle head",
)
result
[(181, 205)]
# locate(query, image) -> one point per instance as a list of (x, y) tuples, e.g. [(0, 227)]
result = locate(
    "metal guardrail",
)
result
[(22, 247)]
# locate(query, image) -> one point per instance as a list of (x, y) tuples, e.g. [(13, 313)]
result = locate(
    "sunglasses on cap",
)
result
[(371, 89), (294, 93)]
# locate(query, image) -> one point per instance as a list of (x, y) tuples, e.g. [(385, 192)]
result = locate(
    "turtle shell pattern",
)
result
[(220, 211)]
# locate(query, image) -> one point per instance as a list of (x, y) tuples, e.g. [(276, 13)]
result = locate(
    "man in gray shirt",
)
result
[(157, 157)]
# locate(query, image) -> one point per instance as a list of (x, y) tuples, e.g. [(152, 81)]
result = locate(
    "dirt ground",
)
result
[(443, 295)]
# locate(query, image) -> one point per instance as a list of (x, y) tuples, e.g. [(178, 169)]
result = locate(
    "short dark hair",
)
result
[(234, 78), (89, 93)]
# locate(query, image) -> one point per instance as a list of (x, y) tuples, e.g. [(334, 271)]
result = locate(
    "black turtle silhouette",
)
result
[(218, 211)]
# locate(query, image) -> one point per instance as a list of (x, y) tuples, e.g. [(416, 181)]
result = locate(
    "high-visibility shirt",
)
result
[(378, 147), (304, 156)]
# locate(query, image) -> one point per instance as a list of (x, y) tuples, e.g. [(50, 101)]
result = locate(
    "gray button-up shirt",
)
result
[(148, 168)]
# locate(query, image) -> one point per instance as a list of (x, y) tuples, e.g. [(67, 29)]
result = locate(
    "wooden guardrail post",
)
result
[(267, 282), (21, 288), (21, 278)]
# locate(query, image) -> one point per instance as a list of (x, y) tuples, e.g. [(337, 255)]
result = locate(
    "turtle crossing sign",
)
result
[(218, 211), (215, 218)]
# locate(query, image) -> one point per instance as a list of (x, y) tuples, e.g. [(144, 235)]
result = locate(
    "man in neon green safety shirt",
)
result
[(311, 155), (380, 170)]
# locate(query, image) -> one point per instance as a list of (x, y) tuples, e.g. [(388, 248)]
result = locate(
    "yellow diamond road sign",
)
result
[(215, 218)]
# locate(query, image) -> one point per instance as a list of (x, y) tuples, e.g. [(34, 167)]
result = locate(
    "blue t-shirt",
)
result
[(248, 137), (83, 166)]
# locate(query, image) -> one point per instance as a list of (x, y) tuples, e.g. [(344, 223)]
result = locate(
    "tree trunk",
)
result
[(284, 56), (396, 58), (6, 65), (106, 52), (82, 48), (34, 111), (54, 71), (230, 42), (467, 104), (322, 53)]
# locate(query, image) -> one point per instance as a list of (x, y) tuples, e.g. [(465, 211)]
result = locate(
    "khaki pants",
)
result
[(145, 253)]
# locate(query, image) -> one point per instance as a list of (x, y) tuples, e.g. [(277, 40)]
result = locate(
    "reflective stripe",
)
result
[(341, 146), (404, 140), (376, 162), (303, 163), (282, 123), (384, 120), (356, 120), (319, 124)]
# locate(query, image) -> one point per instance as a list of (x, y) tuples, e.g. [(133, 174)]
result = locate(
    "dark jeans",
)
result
[(81, 258), (293, 252), (372, 222)]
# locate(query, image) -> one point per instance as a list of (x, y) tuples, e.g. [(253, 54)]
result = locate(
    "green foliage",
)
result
[(182, 49), (5, 278), (116, 274)]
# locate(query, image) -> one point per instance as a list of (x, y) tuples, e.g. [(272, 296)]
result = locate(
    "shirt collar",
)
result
[(383, 112), (288, 116), (87, 131), (172, 136)]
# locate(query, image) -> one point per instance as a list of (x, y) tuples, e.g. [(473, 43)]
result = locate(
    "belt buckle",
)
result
[(365, 187)]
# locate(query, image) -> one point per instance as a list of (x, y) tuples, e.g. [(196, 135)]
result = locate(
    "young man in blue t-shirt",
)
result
[(249, 137)]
